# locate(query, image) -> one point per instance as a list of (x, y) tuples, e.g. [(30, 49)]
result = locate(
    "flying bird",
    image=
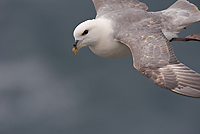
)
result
[(124, 27)]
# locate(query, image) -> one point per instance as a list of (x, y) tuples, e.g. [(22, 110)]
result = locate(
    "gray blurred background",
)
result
[(45, 89)]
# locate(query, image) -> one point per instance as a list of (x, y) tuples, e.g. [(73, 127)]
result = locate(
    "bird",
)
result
[(124, 27)]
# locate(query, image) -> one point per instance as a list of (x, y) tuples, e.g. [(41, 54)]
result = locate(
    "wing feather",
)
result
[(153, 56), (118, 4)]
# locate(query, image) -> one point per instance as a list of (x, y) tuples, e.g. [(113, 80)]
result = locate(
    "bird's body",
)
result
[(124, 27)]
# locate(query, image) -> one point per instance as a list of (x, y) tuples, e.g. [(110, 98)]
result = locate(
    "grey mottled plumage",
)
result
[(146, 35)]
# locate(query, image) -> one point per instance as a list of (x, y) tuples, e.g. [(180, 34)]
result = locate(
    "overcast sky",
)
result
[(45, 89)]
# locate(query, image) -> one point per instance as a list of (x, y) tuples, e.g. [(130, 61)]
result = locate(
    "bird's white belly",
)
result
[(112, 50)]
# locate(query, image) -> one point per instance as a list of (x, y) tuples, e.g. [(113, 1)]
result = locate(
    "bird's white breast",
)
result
[(107, 46)]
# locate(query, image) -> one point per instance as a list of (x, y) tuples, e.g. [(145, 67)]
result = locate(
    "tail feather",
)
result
[(178, 16), (182, 14), (185, 10), (184, 4)]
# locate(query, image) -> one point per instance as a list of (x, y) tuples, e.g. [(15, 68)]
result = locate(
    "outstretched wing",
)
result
[(118, 4), (153, 56)]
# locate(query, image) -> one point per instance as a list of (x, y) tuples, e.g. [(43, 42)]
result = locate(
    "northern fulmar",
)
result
[(124, 27)]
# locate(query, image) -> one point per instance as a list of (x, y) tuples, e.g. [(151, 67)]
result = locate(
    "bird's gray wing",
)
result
[(153, 56), (118, 4)]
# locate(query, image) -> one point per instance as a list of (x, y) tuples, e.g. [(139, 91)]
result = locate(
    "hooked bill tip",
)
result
[(74, 50)]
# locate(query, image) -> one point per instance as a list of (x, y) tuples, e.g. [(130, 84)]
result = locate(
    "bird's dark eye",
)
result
[(85, 32)]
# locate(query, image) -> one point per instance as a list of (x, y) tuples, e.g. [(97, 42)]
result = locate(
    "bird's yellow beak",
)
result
[(77, 45)]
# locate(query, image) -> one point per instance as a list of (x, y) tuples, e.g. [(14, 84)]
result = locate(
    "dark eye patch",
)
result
[(85, 32)]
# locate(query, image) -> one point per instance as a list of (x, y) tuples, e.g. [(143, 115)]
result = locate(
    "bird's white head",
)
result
[(98, 34), (86, 34)]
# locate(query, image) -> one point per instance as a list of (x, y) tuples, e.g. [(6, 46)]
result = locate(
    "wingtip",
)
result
[(187, 91)]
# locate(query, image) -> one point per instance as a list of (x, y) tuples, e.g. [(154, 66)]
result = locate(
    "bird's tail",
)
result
[(182, 14)]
